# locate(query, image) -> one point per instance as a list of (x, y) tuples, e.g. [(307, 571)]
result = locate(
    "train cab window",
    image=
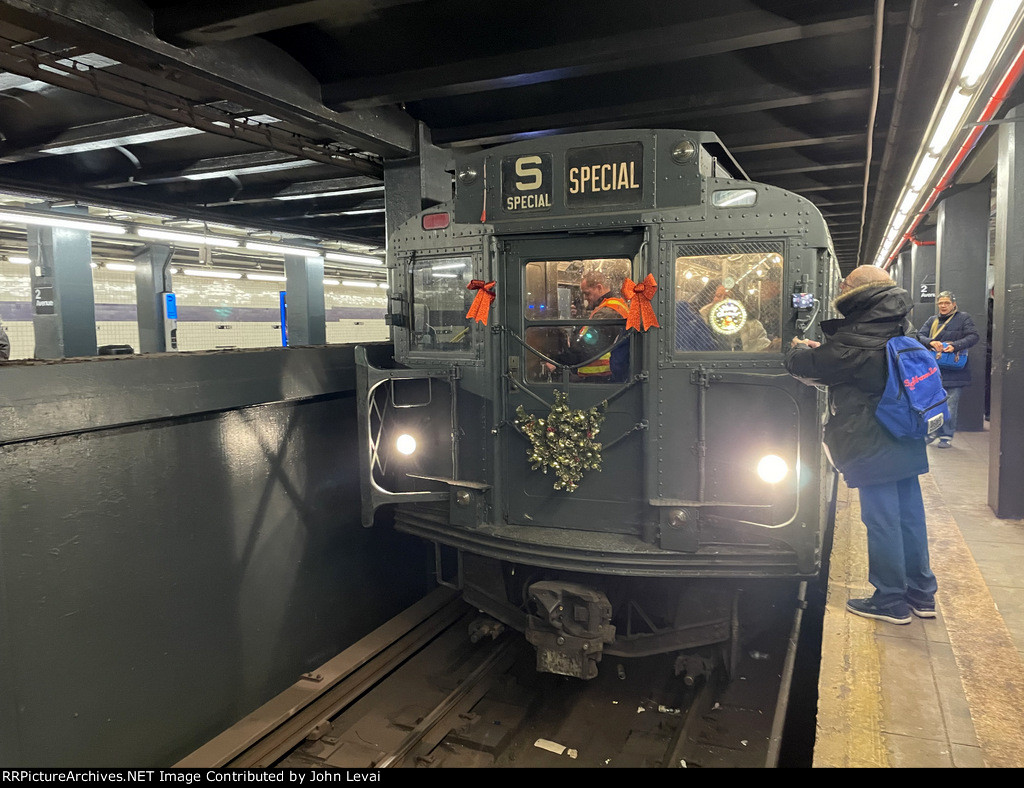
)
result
[(728, 297), (440, 301), (586, 292)]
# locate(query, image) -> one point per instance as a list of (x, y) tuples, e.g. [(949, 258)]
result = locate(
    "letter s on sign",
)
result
[(528, 172)]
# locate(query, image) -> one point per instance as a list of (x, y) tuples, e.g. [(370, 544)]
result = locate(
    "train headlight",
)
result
[(405, 443), (772, 468)]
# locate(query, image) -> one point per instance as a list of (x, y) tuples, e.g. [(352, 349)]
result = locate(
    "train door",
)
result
[(566, 335)]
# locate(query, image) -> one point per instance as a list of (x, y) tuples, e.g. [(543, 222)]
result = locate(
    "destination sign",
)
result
[(526, 183), (604, 175)]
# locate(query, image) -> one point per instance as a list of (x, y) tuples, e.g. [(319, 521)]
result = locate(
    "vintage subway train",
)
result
[(584, 406)]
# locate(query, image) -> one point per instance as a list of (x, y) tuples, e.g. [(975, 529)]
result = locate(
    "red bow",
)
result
[(639, 296), (482, 302)]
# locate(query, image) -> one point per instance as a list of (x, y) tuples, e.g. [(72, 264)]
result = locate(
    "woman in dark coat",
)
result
[(950, 331), (852, 363)]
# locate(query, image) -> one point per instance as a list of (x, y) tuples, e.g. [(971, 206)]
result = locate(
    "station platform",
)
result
[(942, 692)]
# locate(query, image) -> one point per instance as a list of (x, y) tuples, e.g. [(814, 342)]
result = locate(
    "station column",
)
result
[(922, 263), (904, 271), (152, 278), (416, 183), (1006, 447), (63, 301), (961, 266), (306, 313)]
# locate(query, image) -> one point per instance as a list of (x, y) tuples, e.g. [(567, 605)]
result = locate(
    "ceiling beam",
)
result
[(654, 46), (250, 71), (202, 22), (697, 107)]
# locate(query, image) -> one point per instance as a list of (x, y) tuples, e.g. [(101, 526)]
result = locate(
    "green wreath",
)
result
[(563, 442)]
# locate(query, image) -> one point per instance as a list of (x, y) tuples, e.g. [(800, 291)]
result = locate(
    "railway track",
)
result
[(418, 692)]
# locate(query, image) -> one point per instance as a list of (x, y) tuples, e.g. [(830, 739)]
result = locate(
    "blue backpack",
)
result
[(913, 404)]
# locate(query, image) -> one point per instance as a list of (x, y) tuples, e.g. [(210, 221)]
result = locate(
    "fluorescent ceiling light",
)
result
[(300, 251), (923, 174), (997, 23), (331, 282), (188, 238), (120, 267), (54, 221), (284, 165), (90, 59), (20, 260), (347, 257), (950, 123), (362, 283), (361, 210), (267, 277), (383, 285), (447, 266), (337, 193), (908, 203), (211, 273), (130, 139)]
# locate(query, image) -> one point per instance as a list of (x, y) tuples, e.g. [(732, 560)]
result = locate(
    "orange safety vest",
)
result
[(602, 367)]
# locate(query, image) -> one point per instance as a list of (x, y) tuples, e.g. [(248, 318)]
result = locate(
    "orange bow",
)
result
[(482, 302), (639, 296)]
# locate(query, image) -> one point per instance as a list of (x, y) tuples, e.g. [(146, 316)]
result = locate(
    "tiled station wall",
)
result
[(212, 313)]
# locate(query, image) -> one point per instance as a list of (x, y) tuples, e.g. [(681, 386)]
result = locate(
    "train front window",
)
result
[(440, 302), (728, 297), (588, 293)]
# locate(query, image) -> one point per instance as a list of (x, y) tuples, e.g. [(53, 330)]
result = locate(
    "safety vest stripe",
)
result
[(603, 365), (597, 366), (617, 304)]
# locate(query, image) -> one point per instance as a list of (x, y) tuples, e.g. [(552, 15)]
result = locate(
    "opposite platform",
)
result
[(943, 692)]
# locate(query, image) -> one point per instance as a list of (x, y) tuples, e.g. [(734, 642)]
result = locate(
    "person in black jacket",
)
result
[(950, 331), (884, 469), (5, 345)]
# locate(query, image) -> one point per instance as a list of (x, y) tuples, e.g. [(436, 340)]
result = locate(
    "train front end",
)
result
[(584, 406)]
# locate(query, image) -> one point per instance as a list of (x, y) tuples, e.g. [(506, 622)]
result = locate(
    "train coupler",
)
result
[(569, 625)]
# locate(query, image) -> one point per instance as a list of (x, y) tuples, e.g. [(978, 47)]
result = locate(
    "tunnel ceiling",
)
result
[(279, 116)]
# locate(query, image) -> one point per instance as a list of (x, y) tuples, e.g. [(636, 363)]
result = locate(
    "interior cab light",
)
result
[(436, 221)]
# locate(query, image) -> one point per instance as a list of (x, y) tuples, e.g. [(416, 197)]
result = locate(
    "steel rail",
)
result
[(276, 728), (487, 669)]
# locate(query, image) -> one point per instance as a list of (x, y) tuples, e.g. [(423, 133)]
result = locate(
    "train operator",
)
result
[(586, 343), (884, 469)]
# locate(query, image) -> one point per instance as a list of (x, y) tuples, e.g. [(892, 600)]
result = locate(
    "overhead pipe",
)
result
[(910, 53), (875, 79)]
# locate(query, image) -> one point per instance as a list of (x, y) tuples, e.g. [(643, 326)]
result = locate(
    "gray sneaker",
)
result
[(898, 613), (922, 610), (944, 443)]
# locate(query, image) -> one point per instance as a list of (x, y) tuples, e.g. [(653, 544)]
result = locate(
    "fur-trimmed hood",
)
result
[(875, 301)]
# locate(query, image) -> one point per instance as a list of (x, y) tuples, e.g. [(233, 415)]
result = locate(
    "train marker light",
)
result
[(772, 468), (405, 443), (435, 221)]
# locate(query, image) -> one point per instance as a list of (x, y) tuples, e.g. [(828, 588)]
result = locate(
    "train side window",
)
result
[(728, 297), (440, 301), (587, 291)]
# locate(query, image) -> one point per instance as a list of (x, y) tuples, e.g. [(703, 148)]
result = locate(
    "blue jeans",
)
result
[(953, 403), (898, 565)]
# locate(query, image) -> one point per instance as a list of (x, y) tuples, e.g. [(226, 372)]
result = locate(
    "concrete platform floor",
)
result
[(944, 692)]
